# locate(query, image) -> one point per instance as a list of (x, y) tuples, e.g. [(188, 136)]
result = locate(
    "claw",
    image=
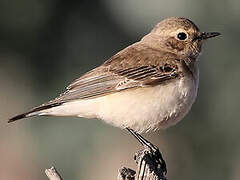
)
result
[(156, 154)]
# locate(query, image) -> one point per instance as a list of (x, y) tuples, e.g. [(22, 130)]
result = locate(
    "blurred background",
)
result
[(44, 45)]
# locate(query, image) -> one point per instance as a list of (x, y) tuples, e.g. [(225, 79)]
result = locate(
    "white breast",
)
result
[(141, 109), (149, 108)]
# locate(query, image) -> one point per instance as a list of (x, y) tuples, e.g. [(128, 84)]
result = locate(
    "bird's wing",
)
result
[(131, 68), (110, 82)]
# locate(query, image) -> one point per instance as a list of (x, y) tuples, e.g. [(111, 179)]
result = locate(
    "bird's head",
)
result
[(178, 35)]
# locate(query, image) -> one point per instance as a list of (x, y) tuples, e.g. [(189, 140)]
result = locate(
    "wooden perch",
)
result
[(52, 174), (149, 167)]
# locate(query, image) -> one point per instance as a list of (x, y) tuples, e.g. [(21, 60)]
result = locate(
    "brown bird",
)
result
[(149, 85)]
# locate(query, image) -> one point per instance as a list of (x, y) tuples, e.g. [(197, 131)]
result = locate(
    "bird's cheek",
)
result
[(176, 45)]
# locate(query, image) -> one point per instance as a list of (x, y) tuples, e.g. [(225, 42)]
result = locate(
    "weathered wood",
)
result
[(52, 174), (149, 167), (126, 174)]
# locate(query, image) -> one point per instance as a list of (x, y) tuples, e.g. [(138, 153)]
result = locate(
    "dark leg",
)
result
[(142, 140), (152, 148)]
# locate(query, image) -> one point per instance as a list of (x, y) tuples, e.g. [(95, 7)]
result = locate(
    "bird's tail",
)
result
[(34, 112)]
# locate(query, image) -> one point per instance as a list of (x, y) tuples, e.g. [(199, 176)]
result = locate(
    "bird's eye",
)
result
[(182, 36)]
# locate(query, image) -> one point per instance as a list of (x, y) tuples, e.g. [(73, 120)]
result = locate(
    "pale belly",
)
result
[(141, 109), (149, 108)]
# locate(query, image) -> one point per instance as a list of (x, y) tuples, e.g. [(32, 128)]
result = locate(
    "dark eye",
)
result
[(182, 36)]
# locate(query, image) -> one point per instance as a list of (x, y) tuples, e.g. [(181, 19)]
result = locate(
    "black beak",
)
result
[(207, 35)]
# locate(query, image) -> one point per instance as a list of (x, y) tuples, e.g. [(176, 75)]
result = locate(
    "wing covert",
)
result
[(121, 73)]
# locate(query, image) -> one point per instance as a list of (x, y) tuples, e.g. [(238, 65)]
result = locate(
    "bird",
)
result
[(150, 85)]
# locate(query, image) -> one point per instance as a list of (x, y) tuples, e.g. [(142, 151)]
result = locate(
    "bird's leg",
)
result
[(143, 141), (152, 148)]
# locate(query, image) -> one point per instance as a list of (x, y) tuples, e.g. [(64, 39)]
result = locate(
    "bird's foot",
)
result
[(151, 151)]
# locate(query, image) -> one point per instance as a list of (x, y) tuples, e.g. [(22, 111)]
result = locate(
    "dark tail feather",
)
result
[(33, 112), (20, 116)]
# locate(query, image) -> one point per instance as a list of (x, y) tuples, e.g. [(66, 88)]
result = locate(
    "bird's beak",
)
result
[(207, 35)]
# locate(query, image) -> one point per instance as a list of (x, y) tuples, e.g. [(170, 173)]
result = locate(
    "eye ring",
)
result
[(182, 36)]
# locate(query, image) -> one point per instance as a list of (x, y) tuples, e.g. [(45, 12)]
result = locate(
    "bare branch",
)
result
[(149, 167), (52, 174), (126, 174)]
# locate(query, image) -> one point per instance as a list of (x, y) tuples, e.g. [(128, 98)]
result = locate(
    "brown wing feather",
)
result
[(131, 68)]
